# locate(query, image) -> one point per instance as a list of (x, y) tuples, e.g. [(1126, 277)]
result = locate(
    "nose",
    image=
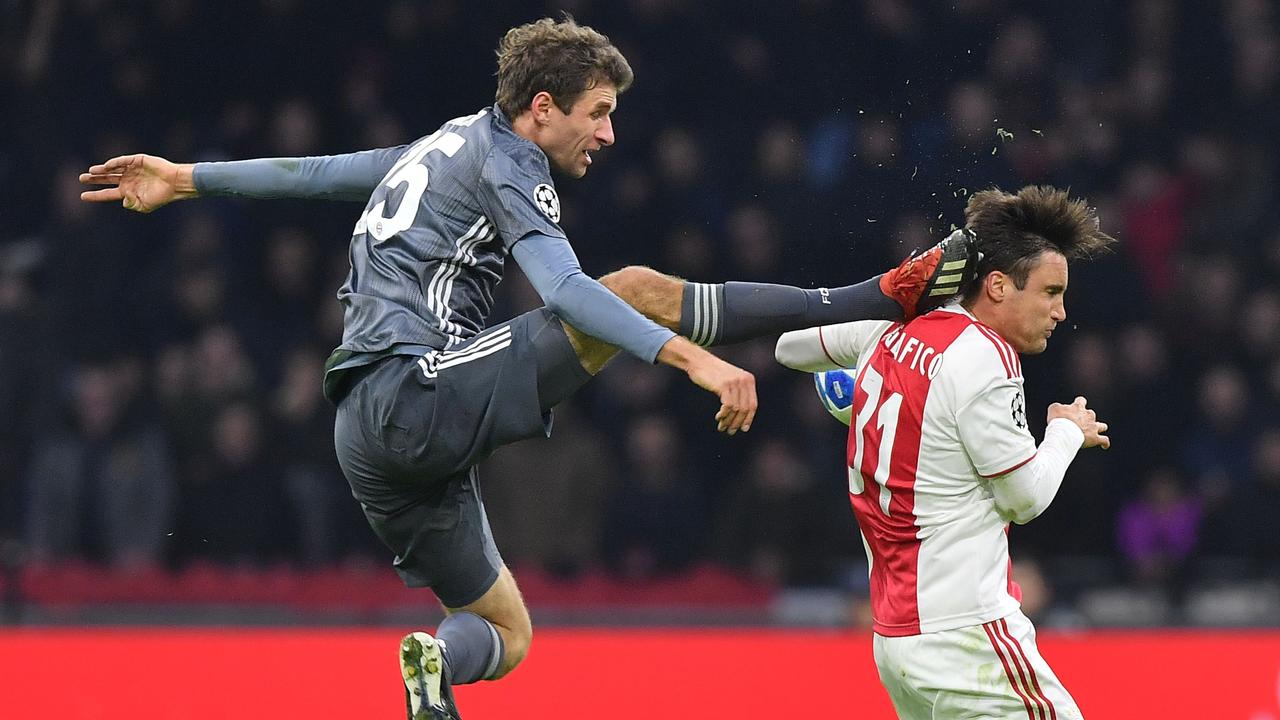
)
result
[(1059, 312), (604, 132)]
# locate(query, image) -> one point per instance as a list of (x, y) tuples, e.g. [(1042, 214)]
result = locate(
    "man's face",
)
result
[(1031, 314), (571, 138)]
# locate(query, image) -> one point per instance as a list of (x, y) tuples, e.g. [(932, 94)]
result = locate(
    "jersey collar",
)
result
[(506, 131)]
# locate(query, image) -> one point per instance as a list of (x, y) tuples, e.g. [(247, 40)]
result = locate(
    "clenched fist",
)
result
[(1085, 419)]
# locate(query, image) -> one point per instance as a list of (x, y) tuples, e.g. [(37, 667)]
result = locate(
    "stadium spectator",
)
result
[(236, 513), (1158, 532), (546, 500), (101, 488), (655, 516), (779, 484)]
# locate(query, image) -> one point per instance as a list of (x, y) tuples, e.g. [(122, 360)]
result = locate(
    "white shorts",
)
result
[(991, 670)]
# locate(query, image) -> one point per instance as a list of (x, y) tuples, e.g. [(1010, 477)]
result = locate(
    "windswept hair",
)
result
[(561, 57), (1013, 230)]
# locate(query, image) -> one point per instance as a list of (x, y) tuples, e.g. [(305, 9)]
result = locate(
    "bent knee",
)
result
[(653, 294), (516, 642), (636, 279)]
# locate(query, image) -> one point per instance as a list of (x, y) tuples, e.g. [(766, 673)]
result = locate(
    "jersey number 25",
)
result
[(410, 172)]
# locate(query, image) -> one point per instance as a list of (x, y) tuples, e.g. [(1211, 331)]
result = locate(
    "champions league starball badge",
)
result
[(1019, 410), (544, 196)]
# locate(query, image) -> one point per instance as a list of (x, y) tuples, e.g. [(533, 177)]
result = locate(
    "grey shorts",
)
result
[(411, 430)]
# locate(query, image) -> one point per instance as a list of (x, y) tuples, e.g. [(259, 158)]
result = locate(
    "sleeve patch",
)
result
[(544, 196)]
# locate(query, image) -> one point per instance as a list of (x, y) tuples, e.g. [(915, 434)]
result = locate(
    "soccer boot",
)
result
[(929, 279), (427, 692)]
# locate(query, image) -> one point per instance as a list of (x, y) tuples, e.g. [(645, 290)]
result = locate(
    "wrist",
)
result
[(679, 353), (184, 181), (1067, 428)]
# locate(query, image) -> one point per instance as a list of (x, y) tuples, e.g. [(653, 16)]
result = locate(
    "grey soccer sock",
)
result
[(472, 647), (715, 314)]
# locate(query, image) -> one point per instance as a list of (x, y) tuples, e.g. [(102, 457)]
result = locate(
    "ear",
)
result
[(541, 107), (995, 285)]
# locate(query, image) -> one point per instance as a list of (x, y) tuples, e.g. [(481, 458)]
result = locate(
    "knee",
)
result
[(635, 281), (654, 295), (516, 641)]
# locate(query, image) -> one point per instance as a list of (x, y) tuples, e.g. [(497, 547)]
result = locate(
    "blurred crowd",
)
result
[(160, 375)]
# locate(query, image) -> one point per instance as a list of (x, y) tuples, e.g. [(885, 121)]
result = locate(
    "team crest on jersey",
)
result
[(544, 196), (1019, 409)]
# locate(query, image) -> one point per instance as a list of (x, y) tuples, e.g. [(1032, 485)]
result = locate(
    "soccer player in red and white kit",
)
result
[(941, 461)]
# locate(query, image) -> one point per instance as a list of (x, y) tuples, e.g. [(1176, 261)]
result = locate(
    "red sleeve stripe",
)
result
[(1006, 472), (1008, 356), (825, 351)]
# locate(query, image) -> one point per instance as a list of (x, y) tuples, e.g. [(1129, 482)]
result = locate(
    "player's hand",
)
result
[(735, 387), (1085, 419), (141, 183)]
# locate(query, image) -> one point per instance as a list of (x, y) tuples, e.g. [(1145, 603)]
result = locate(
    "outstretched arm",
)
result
[(144, 183), (827, 347)]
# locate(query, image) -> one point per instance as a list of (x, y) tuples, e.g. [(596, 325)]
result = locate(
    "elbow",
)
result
[(780, 354), (1019, 510), (557, 297), (554, 303), (784, 352), (803, 350), (1021, 514), (1024, 518)]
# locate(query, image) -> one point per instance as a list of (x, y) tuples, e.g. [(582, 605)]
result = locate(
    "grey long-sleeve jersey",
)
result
[(442, 215)]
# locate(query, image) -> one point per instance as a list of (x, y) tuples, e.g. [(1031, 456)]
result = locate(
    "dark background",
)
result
[(159, 375)]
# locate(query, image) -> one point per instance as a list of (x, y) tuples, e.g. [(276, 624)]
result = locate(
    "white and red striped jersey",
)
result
[(938, 409)]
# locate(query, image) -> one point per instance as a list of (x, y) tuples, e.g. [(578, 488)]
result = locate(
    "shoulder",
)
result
[(978, 351), (994, 350), (972, 348), (475, 128), (457, 149)]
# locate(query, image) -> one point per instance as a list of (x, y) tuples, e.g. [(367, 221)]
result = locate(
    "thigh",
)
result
[(414, 419), (897, 661), (1021, 672), (497, 388), (986, 671), (443, 541), (592, 352), (501, 605)]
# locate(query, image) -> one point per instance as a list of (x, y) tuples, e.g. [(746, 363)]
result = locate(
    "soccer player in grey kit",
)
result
[(425, 391)]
